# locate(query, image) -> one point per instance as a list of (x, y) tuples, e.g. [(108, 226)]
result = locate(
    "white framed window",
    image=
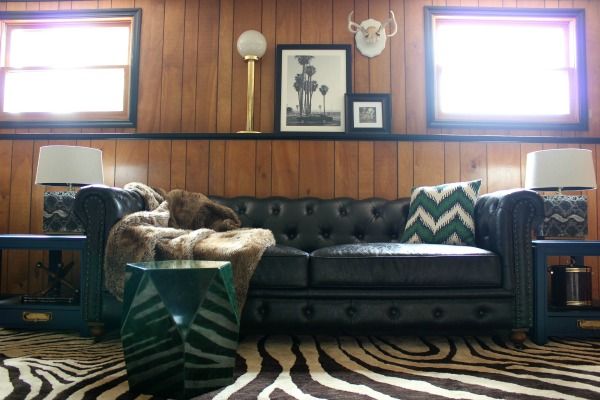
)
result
[(69, 69), (506, 68)]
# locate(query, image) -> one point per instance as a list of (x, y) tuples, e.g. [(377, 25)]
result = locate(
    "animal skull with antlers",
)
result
[(370, 34)]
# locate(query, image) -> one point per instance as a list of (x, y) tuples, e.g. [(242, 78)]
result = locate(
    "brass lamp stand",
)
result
[(252, 46)]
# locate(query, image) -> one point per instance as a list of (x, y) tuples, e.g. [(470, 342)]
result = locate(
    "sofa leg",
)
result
[(96, 329), (518, 337)]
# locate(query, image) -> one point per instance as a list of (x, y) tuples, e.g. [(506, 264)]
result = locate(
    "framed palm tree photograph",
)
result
[(311, 82)]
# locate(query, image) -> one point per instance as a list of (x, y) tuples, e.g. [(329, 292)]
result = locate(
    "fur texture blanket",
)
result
[(182, 225)]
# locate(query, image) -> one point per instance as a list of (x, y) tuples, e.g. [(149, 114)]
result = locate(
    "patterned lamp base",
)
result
[(180, 327), (564, 216), (59, 217)]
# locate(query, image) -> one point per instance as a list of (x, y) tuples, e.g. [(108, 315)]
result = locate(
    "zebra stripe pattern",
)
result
[(61, 366)]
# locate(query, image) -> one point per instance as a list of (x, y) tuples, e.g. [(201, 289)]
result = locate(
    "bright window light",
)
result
[(69, 68), (75, 46), (505, 68), (64, 91)]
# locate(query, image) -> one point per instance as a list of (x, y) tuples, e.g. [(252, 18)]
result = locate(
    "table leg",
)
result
[(540, 298)]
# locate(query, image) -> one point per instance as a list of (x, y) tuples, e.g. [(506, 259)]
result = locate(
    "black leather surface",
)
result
[(373, 317), (309, 223), (404, 265), (281, 267)]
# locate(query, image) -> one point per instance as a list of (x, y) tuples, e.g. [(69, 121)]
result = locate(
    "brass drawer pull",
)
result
[(36, 316), (588, 324)]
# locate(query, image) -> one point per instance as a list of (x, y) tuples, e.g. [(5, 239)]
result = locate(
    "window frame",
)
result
[(579, 115), (120, 119)]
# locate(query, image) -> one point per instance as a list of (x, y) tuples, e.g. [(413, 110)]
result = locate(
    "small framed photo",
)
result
[(368, 112), (311, 81)]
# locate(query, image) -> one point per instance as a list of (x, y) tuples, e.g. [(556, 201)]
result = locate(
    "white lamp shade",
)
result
[(560, 169), (252, 43), (69, 165)]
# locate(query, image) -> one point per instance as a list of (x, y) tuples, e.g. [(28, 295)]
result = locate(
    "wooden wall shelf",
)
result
[(389, 137)]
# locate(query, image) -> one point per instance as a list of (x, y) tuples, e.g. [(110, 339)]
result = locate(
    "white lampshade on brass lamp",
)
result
[(557, 170), (66, 166), (252, 46)]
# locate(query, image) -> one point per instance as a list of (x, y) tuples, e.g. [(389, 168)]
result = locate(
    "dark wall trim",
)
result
[(380, 137)]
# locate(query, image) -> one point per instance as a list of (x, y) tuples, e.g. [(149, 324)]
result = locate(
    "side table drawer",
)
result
[(573, 326), (40, 317)]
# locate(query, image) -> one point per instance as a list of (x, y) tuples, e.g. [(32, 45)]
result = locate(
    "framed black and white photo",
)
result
[(311, 82), (368, 112)]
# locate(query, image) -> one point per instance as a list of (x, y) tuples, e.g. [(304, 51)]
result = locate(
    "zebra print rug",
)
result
[(63, 366)]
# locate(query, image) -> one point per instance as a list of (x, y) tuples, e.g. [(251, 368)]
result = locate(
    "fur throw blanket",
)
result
[(182, 225)]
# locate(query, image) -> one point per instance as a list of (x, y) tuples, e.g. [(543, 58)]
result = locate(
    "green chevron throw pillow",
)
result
[(442, 214)]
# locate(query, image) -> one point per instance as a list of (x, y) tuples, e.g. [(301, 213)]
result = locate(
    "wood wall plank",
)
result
[(172, 67), (385, 179), (473, 163), (159, 164), (197, 166), (225, 65), (216, 166), (285, 167), (366, 170), (346, 169), (240, 168), (151, 49), (415, 65), (267, 69), (190, 66), (131, 162), (429, 166), (398, 72), (178, 164), (316, 164), (406, 176), (504, 166), (451, 162), (263, 168), (207, 72)]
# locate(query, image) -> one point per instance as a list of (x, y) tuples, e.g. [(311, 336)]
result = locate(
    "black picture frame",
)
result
[(295, 110), (368, 112)]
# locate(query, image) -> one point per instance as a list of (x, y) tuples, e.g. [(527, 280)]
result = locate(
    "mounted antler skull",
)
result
[(371, 35)]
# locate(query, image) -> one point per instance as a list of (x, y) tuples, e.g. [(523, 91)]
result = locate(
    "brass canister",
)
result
[(571, 286)]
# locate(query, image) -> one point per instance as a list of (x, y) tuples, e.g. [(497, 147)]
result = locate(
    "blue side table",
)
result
[(45, 313), (552, 321), (180, 327)]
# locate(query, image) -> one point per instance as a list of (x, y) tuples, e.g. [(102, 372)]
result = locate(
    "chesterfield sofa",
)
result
[(338, 266)]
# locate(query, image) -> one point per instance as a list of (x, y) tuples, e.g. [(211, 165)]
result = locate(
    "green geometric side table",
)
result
[(180, 327)]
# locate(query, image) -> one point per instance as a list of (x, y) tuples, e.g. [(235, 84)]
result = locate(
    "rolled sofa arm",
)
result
[(99, 207), (504, 223)]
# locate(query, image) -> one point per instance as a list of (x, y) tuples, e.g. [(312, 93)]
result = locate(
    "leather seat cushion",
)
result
[(281, 267), (404, 265)]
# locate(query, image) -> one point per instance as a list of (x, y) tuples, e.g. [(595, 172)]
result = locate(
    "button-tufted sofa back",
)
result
[(310, 223)]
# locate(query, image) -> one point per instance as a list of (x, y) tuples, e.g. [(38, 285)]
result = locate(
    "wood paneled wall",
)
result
[(193, 80)]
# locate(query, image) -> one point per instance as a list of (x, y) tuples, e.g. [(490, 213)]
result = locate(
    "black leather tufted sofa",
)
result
[(338, 266)]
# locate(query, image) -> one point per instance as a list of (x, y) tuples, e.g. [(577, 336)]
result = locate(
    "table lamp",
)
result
[(252, 46), (556, 170), (66, 166), (564, 216)]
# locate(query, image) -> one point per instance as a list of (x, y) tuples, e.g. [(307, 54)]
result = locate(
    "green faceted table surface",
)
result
[(180, 326)]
